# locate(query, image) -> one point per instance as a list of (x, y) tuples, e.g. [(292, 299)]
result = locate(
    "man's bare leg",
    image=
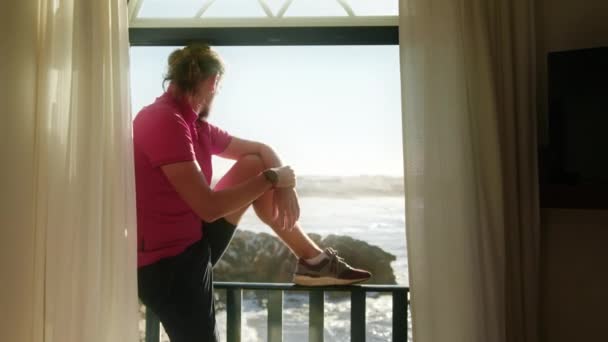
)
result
[(249, 166), (329, 270)]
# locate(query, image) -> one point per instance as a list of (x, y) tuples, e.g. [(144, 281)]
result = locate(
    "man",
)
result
[(173, 146)]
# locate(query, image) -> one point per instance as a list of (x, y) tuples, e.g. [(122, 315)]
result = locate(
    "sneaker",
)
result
[(331, 271)]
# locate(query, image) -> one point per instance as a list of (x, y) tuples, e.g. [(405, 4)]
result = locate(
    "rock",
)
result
[(263, 258)]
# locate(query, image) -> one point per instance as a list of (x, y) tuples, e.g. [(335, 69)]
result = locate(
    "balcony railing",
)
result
[(234, 295)]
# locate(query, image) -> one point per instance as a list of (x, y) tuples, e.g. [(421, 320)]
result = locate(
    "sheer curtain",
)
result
[(511, 27), (77, 227), (470, 182)]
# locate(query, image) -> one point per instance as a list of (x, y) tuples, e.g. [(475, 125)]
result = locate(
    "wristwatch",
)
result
[(272, 176)]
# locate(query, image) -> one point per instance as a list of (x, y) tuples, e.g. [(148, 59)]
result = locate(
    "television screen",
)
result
[(578, 119)]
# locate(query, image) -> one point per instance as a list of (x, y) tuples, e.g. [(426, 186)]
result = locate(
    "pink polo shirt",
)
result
[(168, 132)]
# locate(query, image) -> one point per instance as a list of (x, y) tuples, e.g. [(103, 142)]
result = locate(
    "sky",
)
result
[(252, 9), (326, 110)]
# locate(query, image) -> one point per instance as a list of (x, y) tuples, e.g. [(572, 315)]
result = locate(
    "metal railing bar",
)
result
[(293, 287), (400, 305), (357, 316), (275, 316), (152, 326), (234, 298), (316, 316)]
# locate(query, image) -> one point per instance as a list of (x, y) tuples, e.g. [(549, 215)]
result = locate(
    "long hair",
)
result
[(190, 65)]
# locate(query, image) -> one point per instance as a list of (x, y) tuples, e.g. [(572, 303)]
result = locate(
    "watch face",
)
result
[(274, 176), (271, 176)]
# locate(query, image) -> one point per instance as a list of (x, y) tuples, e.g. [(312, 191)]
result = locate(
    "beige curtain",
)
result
[(68, 238), (511, 27), (17, 233), (470, 182)]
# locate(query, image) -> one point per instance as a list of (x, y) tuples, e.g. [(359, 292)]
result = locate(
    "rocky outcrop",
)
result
[(261, 257)]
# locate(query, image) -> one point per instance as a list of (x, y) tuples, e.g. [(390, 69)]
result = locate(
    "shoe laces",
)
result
[(334, 259)]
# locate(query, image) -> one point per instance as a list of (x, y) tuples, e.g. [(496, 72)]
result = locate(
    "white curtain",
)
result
[(512, 37), (453, 175), (469, 127), (73, 236)]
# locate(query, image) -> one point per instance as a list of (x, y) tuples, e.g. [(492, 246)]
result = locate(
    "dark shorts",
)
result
[(179, 290)]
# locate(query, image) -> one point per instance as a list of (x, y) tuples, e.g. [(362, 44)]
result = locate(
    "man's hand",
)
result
[(286, 177), (286, 207)]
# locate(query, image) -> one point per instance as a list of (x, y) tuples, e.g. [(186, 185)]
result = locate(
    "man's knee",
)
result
[(252, 162)]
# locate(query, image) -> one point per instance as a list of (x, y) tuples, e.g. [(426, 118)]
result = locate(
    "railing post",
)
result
[(234, 298), (152, 326), (315, 316), (357, 315), (275, 316), (400, 316)]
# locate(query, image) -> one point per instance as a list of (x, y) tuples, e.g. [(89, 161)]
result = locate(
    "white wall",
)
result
[(17, 72)]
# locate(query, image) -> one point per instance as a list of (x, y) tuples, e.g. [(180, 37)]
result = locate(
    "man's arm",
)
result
[(210, 205), (239, 147)]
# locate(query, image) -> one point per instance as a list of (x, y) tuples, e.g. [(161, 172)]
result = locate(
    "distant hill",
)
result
[(348, 186), (352, 186)]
